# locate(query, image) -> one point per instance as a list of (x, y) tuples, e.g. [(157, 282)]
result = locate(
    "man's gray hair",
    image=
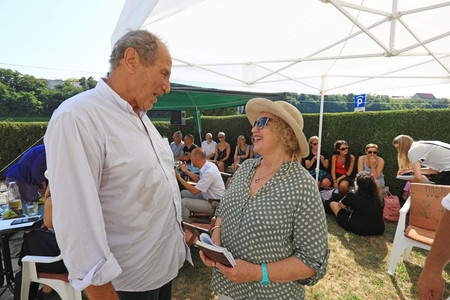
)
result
[(144, 42), (178, 133)]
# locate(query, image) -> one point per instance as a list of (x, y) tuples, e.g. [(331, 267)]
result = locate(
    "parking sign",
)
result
[(360, 102)]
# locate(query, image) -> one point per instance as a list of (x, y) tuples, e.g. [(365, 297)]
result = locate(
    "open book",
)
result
[(213, 252), (411, 176)]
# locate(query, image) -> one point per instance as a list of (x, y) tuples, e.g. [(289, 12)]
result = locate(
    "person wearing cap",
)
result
[(271, 217), (28, 173), (41, 242)]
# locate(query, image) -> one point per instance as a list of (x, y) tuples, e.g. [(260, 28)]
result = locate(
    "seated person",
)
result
[(253, 153), (209, 185), (28, 173), (187, 149), (311, 163), (241, 153), (372, 163), (406, 191), (223, 152), (41, 242), (177, 145), (366, 217), (342, 164), (209, 146)]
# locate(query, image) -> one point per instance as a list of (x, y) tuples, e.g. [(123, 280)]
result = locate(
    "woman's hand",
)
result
[(205, 260), (403, 171), (242, 272), (372, 161), (335, 184)]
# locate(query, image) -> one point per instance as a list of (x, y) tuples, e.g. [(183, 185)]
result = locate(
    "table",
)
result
[(6, 269)]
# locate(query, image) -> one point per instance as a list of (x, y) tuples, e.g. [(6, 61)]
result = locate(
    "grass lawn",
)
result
[(357, 270)]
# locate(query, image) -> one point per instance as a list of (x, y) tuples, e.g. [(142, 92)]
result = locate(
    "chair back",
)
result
[(426, 208), (226, 177)]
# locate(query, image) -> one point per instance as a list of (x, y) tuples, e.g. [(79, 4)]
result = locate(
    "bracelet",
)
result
[(212, 229)]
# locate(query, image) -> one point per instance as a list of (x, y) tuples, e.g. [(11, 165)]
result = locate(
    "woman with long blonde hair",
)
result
[(241, 153), (423, 157)]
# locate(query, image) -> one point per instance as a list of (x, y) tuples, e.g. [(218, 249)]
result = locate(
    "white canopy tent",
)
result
[(305, 46)]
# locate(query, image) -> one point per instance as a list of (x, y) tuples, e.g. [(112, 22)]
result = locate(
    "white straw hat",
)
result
[(285, 111)]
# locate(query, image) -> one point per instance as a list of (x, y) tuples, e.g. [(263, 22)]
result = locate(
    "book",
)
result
[(410, 177), (214, 252)]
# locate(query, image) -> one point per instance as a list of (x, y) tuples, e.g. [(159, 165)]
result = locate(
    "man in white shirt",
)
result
[(177, 145), (209, 185), (209, 146), (116, 207)]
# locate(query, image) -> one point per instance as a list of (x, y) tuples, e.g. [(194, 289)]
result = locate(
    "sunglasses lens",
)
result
[(262, 122)]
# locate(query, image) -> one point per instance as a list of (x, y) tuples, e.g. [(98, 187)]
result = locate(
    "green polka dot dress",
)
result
[(284, 218)]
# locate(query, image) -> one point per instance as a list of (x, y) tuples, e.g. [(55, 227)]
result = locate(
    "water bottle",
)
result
[(14, 199)]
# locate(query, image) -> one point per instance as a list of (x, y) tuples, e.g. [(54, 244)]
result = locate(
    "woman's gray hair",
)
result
[(144, 42)]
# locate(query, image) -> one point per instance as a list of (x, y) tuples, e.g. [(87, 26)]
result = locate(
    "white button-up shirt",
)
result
[(211, 183), (209, 148), (116, 202)]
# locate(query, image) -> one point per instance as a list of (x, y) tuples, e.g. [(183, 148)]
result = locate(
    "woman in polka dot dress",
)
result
[(271, 218)]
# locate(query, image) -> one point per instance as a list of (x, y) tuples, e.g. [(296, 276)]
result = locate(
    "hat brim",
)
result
[(285, 111)]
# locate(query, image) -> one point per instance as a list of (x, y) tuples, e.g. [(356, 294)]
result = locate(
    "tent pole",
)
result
[(199, 124), (322, 91)]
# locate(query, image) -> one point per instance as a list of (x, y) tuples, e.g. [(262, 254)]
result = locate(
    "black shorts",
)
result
[(444, 178), (343, 218), (349, 179)]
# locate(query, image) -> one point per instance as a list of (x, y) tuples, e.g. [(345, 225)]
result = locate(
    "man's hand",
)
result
[(178, 176), (431, 285), (101, 292), (183, 166)]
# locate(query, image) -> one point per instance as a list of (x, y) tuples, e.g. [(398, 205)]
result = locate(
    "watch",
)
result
[(265, 279)]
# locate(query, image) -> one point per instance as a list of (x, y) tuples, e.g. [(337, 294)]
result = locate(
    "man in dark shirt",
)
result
[(187, 149)]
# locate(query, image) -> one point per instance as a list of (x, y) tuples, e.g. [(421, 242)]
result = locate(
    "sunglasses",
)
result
[(370, 152), (343, 149), (261, 122), (314, 144), (221, 137)]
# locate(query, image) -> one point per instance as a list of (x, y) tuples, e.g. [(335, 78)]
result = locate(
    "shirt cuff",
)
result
[(319, 266), (102, 273)]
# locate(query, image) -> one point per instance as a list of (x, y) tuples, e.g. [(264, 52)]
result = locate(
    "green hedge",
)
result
[(358, 129)]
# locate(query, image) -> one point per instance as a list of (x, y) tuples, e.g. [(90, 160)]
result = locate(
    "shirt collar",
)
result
[(105, 89)]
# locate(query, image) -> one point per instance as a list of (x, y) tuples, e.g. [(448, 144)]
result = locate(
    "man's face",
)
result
[(209, 138), (176, 138), (187, 141), (153, 81)]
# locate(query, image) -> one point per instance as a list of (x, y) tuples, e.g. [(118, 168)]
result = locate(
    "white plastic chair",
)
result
[(29, 275), (426, 211)]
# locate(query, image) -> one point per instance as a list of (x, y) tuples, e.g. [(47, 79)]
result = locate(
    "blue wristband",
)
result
[(265, 279)]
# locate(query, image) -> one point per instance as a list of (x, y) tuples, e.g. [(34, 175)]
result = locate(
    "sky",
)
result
[(61, 39), (57, 39)]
